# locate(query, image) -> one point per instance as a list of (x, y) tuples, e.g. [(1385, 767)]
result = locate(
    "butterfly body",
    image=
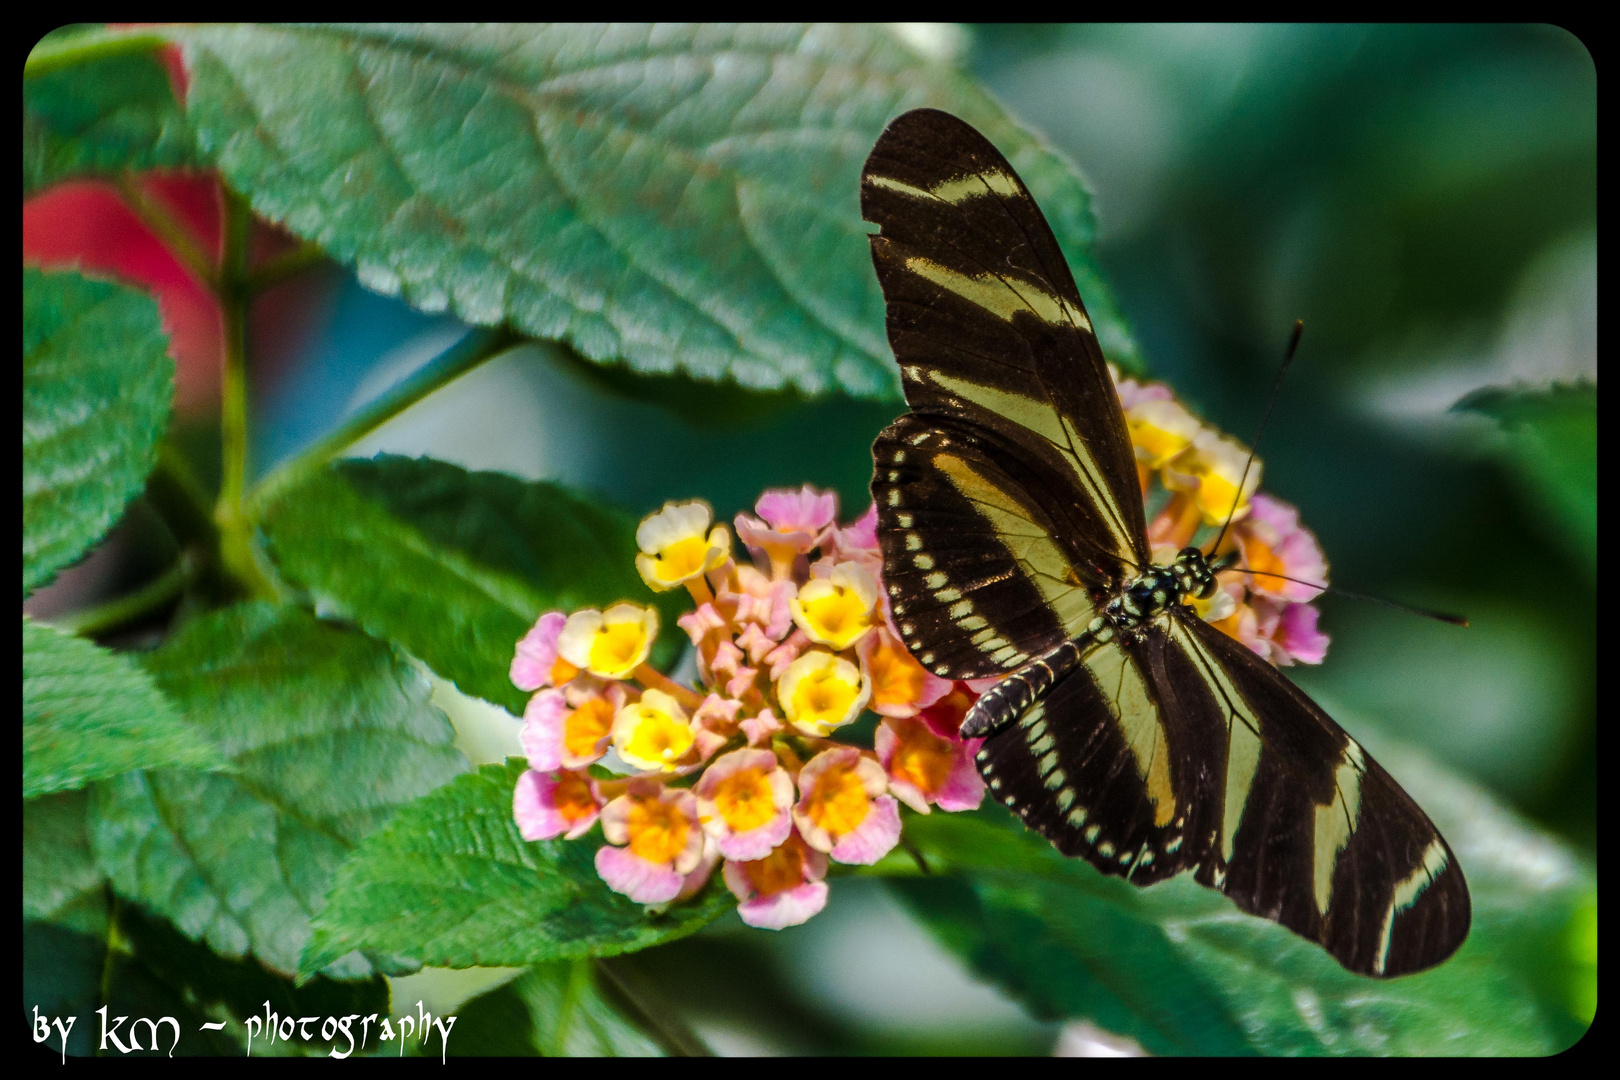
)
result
[(1125, 729)]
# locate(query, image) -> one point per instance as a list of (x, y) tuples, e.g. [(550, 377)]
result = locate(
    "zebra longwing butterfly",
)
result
[(1127, 730)]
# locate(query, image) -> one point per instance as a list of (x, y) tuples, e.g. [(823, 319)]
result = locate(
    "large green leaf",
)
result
[(452, 882), (89, 714), (455, 565), (1553, 448), (328, 731), (103, 116), (669, 197), (1181, 970), (551, 1010), (97, 384)]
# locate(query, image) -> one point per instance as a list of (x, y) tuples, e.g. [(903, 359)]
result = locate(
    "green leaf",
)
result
[(454, 565), (61, 882), (103, 116), (451, 881), (89, 714), (156, 971), (551, 1010), (1553, 448), (669, 197), (1181, 970), (97, 384), (328, 731)]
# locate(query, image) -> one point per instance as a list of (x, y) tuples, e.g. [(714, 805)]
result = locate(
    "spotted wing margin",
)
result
[(978, 583), (1306, 828), (986, 323), (1103, 766)]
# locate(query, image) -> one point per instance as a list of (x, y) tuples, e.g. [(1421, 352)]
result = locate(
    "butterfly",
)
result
[(1125, 729)]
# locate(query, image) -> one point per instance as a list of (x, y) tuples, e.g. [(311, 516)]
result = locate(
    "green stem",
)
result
[(274, 271), (230, 512), (670, 1029), (87, 47), (181, 499), (103, 618), (456, 361)]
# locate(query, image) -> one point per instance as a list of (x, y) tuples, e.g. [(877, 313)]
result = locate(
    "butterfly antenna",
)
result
[(1271, 403), (1426, 613)]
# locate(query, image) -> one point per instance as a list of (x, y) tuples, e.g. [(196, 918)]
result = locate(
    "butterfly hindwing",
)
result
[(990, 587), (1102, 769), (987, 325), (1314, 834)]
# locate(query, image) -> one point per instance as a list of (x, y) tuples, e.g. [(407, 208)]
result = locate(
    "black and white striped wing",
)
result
[(1186, 751), (1102, 764), (989, 330), (1312, 832), (978, 581)]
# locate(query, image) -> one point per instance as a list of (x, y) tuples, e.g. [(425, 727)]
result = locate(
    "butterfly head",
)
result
[(1193, 573)]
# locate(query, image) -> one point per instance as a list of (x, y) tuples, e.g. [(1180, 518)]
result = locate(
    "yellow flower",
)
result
[(837, 610), (820, 692), (610, 644), (1160, 429), (653, 733), (677, 545), (1210, 470)]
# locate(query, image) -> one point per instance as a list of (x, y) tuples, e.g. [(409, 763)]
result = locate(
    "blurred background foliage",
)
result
[(1424, 198)]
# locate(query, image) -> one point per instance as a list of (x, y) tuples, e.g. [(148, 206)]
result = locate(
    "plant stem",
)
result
[(274, 271), (670, 1029), (230, 513), (180, 498), (87, 47), (454, 362), (102, 618)]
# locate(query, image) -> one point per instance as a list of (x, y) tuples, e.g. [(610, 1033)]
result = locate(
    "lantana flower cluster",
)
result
[(1190, 476), (793, 641)]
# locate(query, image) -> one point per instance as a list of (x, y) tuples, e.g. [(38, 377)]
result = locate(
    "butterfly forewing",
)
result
[(1009, 515), (988, 327)]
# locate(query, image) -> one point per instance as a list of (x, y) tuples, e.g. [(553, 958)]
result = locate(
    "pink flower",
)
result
[(782, 889), (556, 735), (761, 602), (699, 875), (1288, 633), (1131, 392), (549, 804), (700, 623), (662, 842), (925, 768), (535, 662), (759, 729), (714, 723), (844, 807), (794, 522), (804, 511), (900, 685), (1272, 539), (858, 543), (744, 801), (755, 642), (782, 657), (944, 717)]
